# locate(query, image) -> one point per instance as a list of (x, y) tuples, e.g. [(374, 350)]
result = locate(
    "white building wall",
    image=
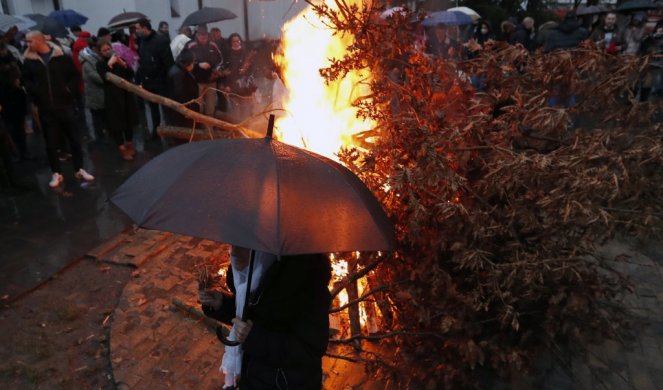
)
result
[(265, 17)]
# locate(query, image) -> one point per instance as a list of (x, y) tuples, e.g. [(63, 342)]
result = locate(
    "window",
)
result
[(174, 8)]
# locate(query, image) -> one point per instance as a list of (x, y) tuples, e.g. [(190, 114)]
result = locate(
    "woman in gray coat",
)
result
[(94, 87)]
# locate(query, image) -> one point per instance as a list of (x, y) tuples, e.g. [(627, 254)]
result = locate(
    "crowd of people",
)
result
[(632, 37), (60, 83)]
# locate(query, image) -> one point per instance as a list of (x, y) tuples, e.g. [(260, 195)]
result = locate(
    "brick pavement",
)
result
[(155, 344)]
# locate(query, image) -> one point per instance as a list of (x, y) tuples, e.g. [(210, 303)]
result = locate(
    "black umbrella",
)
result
[(51, 27), (125, 19), (208, 15), (636, 5), (256, 193), (590, 10), (36, 17)]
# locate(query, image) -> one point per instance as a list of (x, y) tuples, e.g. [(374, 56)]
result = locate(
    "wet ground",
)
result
[(42, 230)]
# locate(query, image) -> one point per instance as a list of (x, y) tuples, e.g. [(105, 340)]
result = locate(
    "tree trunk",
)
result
[(179, 107)]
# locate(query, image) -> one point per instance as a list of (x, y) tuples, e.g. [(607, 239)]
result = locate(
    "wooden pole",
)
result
[(179, 107)]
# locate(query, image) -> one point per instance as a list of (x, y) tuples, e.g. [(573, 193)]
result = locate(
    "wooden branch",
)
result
[(377, 290), (179, 107), (353, 310), (353, 339), (340, 285)]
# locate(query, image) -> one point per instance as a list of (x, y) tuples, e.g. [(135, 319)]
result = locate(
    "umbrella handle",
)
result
[(224, 340)]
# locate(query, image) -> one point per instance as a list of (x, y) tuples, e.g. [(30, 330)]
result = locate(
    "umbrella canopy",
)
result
[(467, 11), (68, 17), (208, 15), (256, 193), (590, 10), (448, 18), (51, 27), (636, 5), (125, 19), (36, 17), (8, 21)]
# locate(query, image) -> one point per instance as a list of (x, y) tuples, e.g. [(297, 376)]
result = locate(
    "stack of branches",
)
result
[(499, 199)]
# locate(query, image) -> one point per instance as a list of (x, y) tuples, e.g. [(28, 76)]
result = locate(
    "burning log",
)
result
[(179, 107), (353, 311)]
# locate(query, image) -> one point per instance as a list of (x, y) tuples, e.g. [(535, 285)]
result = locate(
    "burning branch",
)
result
[(181, 108)]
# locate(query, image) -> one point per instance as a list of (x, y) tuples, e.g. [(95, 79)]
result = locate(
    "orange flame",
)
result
[(319, 117)]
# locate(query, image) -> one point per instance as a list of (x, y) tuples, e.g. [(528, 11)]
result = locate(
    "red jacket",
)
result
[(80, 44)]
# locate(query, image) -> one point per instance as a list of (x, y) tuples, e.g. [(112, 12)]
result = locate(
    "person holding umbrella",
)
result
[(288, 204), (287, 327)]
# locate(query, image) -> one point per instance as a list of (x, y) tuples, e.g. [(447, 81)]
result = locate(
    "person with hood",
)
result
[(94, 87), (568, 34), (608, 36), (121, 110), (51, 79), (285, 329), (182, 87)]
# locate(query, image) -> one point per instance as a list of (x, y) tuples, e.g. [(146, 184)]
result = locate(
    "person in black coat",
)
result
[(120, 104), (287, 327), (155, 59), (181, 87), (568, 34), (51, 79), (13, 99)]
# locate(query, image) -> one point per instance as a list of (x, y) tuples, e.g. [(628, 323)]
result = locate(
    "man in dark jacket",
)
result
[(206, 71), (524, 34), (608, 36), (50, 77), (567, 35), (287, 327), (153, 65)]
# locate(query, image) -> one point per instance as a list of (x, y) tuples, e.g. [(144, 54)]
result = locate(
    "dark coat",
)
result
[(290, 314), (120, 104), (567, 35), (13, 100), (181, 87), (155, 59), (524, 37), (53, 85), (209, 53), (239, 65)]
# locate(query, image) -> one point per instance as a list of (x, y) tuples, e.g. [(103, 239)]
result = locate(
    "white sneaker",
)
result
[(83, 175), (56, 180)]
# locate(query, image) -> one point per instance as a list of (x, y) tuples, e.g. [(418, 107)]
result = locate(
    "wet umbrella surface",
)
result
[(256, 193)]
